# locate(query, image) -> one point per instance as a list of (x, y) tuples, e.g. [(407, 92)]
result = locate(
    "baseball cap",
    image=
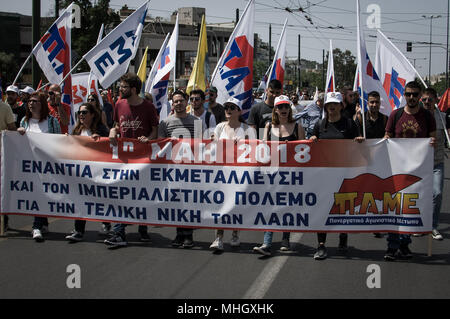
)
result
[(282, 99), (333, 97), (12, 88), (28, 90), (233, 101)]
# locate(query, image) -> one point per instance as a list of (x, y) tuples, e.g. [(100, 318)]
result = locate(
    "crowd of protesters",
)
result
[(290, 117)]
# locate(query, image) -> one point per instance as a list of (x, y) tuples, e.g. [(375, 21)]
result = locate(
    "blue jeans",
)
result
[(268, 235), (396, 240), (438, 185)]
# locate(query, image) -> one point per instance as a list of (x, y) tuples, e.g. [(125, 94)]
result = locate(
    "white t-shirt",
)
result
[(37, 127), (240, 133), (86, 132)]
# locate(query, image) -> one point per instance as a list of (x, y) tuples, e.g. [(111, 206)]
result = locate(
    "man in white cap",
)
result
[(12, 95)]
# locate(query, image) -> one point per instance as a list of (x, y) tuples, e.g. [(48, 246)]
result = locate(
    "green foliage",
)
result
[(7, 67)]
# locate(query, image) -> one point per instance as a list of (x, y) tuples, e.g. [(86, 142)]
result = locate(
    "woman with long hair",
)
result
[(234, 128), (88, 124), (282, 128), (93, 99), (38, 120)]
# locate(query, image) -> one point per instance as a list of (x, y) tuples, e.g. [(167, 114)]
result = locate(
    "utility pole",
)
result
[(237, 17), (299, 63), (431, 17), (56, 9), (270, 44), (323, 69), (35, 36)]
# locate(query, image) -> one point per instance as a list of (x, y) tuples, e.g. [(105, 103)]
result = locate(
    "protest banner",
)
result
[(301, 186)]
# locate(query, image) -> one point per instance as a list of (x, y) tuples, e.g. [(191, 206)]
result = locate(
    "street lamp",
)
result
[(431, 17)]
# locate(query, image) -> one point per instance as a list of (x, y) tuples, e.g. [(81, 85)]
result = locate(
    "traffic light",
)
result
[(408, 46)]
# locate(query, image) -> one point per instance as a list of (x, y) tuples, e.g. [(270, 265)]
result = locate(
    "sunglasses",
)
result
[(91, 100), (414, 94), (427, 99), (196, 98), (230, 107), (283, 106), (84, 112)]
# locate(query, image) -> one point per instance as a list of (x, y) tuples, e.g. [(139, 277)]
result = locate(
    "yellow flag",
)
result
[(143, 67), (200, 72)]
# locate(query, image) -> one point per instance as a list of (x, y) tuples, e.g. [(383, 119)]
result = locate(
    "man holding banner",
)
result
[(134, 117), (412, 121)]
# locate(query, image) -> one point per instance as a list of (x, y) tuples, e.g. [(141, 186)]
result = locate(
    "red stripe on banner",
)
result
[(197, 152)]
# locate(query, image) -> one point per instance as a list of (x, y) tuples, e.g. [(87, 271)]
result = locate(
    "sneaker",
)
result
[(75, 237), (44, 229), (105, 230), (116, 240), (263, 249), (418, 235), (234, 242), (37, 235), (404, 252), (217, 244), (178, 241), (390, 254), (321, 253), (285, 245), (436, 235), (144, 237), (188, 241)]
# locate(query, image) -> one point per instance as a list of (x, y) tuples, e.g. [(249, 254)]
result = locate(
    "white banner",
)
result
[(327, 186)]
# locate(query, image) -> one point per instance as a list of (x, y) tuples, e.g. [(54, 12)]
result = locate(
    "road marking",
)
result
[(267, 276)]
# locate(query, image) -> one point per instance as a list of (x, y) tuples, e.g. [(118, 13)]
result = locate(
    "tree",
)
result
[(92, 17), (7, 67)]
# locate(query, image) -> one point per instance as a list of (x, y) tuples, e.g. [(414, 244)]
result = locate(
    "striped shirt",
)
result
[(180, 127)]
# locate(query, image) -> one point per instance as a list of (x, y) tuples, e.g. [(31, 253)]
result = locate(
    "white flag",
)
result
[(80, 91), (110, 58), (233, 76), (368, 79), (394, 70), (330, 85), (277, 68)]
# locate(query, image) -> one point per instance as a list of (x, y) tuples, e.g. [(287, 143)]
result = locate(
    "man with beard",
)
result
[(349, 101), (58, 109), (12, 95), (197, 98), (261, 113), (411, 121), (134, 117)]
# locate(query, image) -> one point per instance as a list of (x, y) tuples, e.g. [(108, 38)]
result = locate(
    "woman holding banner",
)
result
[(89, 123), (334, 126), (38, 120), (234, 128), (282, 128)]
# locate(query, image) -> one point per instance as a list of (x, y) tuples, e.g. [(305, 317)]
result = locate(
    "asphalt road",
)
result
[(156, 270)]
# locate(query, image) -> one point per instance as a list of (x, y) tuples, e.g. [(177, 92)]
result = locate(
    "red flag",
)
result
[(444, 102)]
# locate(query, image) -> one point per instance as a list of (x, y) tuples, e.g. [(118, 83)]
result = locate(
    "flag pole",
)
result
[(71, 71), (21, 69), (360, 68)]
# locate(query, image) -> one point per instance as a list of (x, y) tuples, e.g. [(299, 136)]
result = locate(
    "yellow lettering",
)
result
[(408, 201), (391, 203), (368, 204), (341, 200)]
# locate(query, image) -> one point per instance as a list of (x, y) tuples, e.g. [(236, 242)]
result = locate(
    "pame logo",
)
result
[(394, 87), (365, 190), (237, 71), (53, 42)]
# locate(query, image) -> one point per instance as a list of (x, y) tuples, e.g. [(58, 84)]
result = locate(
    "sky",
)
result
[(400, 20)]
